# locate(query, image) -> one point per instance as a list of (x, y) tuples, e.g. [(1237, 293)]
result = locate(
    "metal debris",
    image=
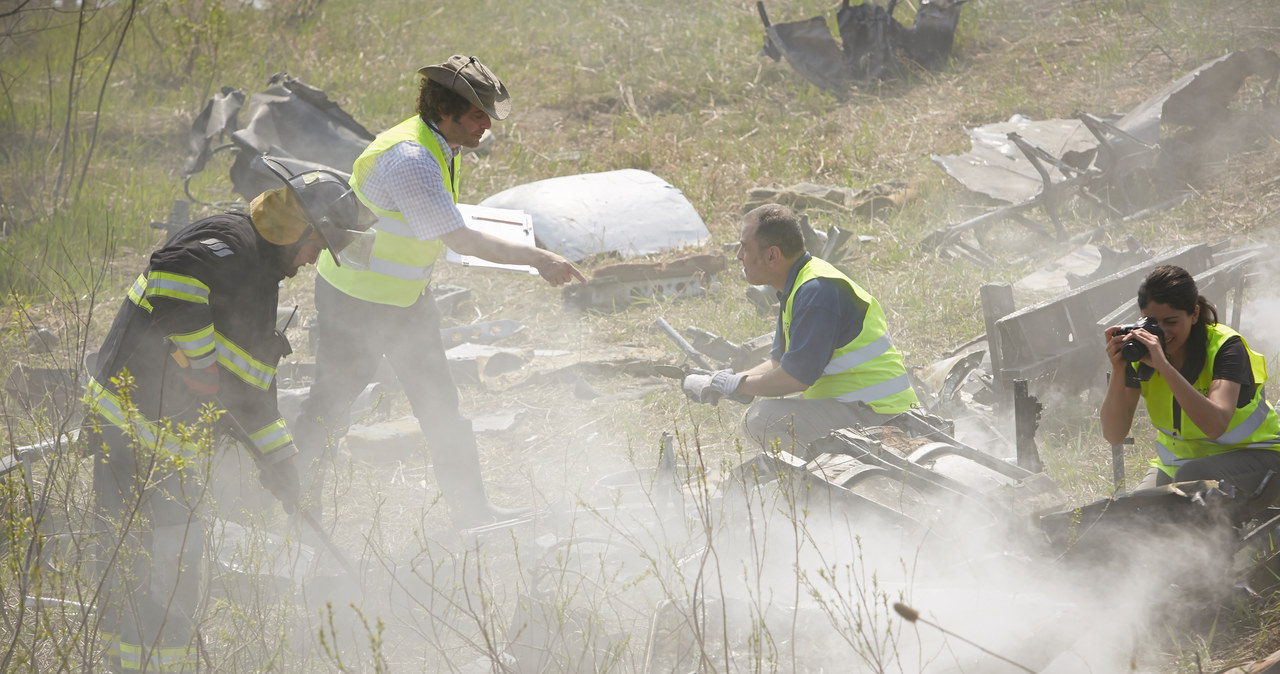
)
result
[(804, 196), (628, 212), (1079, 267), (617, 286), (736, 356), (873, 44), (290, 120), (477, 362), (1126, 165)]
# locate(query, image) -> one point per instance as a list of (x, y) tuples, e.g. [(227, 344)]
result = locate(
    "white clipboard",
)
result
[(505, 223)]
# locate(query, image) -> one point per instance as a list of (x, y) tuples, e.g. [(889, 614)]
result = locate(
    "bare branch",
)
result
[(102, 92)]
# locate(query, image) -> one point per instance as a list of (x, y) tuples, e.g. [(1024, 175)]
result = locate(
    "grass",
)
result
[(674, 88)]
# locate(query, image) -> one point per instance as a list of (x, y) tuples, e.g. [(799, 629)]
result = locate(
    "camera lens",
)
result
[(1132, 351)]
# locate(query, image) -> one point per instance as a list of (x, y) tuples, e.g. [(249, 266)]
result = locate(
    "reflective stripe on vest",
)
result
[(867, 369), (177, 286), (400, 264), (1254, 426)]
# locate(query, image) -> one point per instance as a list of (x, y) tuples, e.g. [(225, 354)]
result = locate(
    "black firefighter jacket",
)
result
[(208, 297)]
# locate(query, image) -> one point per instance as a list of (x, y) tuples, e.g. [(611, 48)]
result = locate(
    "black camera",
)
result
[(1132, 351)]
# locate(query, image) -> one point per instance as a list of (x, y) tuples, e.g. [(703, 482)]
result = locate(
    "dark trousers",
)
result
[(150, 544), (352, 337), (793, 423), (1243, 469)]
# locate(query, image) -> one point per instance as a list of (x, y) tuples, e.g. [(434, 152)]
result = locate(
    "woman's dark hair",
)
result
[(1174, 286), (436, 101)]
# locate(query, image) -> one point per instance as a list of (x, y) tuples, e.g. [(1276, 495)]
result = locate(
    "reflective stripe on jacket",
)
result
[(867, 369), (1254, 426), (157, 659), (208, 296), (102, 402), (400, 264)]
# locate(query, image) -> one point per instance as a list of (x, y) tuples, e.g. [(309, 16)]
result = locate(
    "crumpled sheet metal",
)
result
[(289, 120), (1202, 96), (810, 50), (628, 212), (994, 166), (219, 117), (873, 45)]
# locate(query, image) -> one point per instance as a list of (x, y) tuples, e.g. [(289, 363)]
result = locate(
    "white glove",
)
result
[(708, 388), (725, 381), (697, 387)]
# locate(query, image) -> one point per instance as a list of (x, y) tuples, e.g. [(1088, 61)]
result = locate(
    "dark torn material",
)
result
[(289, 120), (873, 44), (1126, 165)]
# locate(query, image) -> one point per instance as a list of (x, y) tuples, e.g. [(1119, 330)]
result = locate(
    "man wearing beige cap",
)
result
[(409, 177)]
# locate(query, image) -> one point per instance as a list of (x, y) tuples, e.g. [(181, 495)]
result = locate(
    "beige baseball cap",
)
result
[(469, 78)]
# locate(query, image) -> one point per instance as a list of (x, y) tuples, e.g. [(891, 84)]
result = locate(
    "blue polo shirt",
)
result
[(823, 319)]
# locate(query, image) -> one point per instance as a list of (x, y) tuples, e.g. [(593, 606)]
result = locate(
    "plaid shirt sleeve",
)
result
[(406, 178)]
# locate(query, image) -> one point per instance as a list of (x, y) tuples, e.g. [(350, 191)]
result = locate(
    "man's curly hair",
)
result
[(436, 101)]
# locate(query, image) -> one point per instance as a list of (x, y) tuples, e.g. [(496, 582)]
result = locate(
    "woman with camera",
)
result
[(1202, 386)]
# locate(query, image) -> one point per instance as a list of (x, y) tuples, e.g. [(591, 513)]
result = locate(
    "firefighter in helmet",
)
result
[(195, 346)]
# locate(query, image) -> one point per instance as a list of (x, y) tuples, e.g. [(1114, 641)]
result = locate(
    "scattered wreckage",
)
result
[(1121, 166), (626, 213), (645, 555), (676, 565), (1054, 342), (648, 549), (873, 44)]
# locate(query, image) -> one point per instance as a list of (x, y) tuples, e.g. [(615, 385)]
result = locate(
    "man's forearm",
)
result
[(553, 268), (769, 379), (479, 244)]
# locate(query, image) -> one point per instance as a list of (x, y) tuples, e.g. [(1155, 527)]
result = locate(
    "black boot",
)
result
[(457, 467)]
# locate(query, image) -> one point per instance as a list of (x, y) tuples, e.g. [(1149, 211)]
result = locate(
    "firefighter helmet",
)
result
[(330, 204)]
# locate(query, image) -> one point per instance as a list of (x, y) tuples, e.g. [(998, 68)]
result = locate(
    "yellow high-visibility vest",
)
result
[(867, 369), (1254, 426), (400, 263)]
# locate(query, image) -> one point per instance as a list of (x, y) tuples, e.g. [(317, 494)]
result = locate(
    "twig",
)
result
[(102, 94), (911, 615)]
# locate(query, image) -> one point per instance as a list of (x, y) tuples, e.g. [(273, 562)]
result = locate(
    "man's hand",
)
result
[(557, 271), (281, 479), (709, 388)]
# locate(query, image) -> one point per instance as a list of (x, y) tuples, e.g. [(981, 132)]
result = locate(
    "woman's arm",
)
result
[(1212, 413), (1120, 402)]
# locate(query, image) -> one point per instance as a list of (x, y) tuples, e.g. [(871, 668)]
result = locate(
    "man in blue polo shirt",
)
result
[(832, 345)]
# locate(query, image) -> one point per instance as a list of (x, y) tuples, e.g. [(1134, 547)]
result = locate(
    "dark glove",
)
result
[(281, 479)]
